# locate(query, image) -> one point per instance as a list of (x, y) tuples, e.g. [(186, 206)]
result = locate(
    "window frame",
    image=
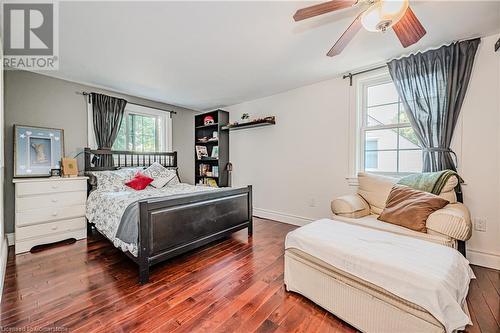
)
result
[(362, 127)]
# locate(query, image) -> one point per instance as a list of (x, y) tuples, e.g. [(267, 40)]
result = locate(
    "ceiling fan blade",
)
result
[(322, 8), (409, 29), (346, 37)]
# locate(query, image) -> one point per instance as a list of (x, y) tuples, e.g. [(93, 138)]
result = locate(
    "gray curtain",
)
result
[(432, 87), (107, 115)]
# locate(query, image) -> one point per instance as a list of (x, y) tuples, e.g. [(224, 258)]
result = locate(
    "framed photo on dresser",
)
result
[(37, 150)]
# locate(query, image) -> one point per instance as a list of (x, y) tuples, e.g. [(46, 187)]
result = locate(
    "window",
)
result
[(143, 130), (388, 143)]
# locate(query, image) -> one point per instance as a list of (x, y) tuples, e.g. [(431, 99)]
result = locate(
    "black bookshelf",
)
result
[(204, 132)]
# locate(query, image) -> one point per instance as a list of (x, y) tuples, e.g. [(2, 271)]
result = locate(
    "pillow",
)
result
[(161, 175), (410, 208), (139, 182), (113, 180), (375, 189)]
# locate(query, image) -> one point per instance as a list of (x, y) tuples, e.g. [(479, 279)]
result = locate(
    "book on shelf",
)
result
[(201, 152), (215, 151), (204, 170)]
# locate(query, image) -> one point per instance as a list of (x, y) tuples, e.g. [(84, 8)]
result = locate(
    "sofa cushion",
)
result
[(375, 189), (350, 206), (410, 208), (453, 221), (371, 221)]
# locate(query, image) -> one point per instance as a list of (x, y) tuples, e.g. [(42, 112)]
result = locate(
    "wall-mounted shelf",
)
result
[(255, 123), (207, 126)]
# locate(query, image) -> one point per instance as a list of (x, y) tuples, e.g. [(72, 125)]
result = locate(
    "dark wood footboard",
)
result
[(169, 227)]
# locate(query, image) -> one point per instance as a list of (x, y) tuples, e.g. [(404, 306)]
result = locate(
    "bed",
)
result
[(154, 225)]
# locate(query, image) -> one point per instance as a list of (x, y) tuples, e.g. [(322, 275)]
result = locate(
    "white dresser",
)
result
[(49, 210)]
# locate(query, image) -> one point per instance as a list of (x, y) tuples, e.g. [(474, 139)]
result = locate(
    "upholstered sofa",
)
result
[(445, 226)]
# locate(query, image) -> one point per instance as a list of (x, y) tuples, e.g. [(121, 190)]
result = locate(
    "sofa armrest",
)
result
[(353, 206), (453, 220)]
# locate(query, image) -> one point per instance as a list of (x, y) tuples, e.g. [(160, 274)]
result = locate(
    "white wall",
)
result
[(300, 164), (480, 156)]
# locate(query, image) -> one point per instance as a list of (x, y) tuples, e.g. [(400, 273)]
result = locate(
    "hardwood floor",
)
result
[(235, 285)]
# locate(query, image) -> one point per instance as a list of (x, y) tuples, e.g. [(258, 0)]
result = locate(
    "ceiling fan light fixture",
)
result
[(383, 14)]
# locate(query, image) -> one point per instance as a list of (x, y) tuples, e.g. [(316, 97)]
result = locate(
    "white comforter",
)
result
[(432, 276)]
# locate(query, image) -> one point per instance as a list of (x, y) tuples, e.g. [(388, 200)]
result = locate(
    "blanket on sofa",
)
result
[(432, 182)]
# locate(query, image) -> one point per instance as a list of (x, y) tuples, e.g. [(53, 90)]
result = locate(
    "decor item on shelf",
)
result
[(208, 182), (55, 172), (203, 139), (69, 167), (271, 120), (201, 152), (211, 182), (215, 135), (215, 152), (208, 120), (245, 118), (37, 150)]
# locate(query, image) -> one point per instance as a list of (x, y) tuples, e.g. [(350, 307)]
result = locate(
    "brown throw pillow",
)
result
[(410, 208)]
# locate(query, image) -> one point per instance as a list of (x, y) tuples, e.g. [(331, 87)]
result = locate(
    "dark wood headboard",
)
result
[(127, 159)]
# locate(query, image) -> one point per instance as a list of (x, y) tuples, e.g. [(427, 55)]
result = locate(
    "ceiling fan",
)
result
[(376, 16)]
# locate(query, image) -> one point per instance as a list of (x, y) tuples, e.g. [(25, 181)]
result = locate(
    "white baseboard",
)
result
[(281, 217), (10, 239), (4, 249), (485, 259)]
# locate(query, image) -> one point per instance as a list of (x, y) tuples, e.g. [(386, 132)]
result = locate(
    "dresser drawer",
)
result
[(42, 215), (35, 231), (48, 187), (54, 200)]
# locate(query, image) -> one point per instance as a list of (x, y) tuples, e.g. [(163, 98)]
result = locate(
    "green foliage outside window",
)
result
[(138, 133)]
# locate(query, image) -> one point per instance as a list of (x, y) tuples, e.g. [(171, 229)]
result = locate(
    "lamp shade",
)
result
[(383, 14)]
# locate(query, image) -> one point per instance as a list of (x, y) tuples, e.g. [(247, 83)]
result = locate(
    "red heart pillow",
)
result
[(139, 182)]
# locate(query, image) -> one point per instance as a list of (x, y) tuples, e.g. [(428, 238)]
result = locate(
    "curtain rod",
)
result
[(84, 93), (350, 75)]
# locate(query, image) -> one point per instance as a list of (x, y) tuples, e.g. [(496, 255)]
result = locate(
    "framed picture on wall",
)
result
[(37, 150)]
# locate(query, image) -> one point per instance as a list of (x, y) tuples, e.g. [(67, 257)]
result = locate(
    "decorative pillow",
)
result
[(410, 208), (161, 175), (139, 182), (114, 180)]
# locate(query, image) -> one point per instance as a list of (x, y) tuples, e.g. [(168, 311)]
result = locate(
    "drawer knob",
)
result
[(54, 187), (54, 228), (54, 200), (54, 214)]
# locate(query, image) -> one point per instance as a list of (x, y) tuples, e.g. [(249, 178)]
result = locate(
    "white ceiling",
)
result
[(207, 54)]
